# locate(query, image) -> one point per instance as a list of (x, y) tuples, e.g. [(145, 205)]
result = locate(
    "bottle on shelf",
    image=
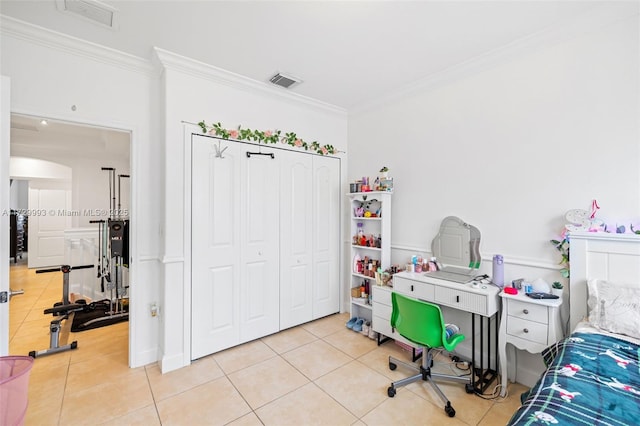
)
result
[(360, 234)]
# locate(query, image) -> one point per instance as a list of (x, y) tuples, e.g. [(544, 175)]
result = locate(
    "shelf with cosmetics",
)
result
[(370, 225)]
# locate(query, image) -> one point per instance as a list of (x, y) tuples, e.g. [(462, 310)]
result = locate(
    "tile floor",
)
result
[(319, 373)]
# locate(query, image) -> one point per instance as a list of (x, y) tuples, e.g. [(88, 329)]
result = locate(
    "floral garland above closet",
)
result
[(266, 136)]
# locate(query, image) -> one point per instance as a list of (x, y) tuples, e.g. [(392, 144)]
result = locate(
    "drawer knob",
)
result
[(526, 330), (526, 311)]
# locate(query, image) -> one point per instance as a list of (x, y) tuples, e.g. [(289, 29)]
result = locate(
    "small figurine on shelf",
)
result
[(384, 172)]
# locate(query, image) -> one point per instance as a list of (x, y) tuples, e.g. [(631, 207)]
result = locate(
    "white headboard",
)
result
[(612, 257)]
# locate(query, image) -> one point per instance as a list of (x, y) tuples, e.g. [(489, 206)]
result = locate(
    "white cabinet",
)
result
[(382, 308), (529, 324), (370, 220), (265, 241)]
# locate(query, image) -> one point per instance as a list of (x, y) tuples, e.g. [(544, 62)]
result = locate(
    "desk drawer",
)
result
[(383, 326), (462, 300), (415, 289), (382, 295), (528, 330), (382, 311), (528, 311)]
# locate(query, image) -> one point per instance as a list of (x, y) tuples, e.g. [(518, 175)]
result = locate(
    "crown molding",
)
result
[(605, 14), (173, 61), (15, 28)]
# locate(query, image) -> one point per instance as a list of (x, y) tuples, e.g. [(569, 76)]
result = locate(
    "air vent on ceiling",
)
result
[(285, 81), (92, 10)]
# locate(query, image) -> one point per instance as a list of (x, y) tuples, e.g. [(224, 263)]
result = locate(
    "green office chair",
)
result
[(422, 324)]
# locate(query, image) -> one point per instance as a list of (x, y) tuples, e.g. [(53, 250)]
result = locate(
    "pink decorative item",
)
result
[(14, 388)]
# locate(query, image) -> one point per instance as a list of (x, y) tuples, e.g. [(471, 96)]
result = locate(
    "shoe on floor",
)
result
[(372, 334), (352, 322), (358, 325), (365, 328)]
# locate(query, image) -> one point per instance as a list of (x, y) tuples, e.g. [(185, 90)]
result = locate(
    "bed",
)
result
[(593, 375)]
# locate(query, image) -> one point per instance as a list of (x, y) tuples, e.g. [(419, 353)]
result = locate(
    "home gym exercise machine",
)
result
[(64, 310), (113, 255)]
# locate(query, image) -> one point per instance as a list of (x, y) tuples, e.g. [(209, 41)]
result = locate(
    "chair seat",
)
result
[(422, 324)]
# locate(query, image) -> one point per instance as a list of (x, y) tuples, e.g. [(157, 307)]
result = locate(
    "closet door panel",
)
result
[(295, 239), (215, 254), (260, 235), (326, 236)]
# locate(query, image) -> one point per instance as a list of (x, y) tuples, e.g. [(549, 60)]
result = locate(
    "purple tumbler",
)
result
[(498, 270)]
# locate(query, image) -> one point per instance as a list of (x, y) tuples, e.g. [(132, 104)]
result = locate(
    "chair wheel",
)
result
[(391, 391), (468, 388), (392, 367), (449, 410)]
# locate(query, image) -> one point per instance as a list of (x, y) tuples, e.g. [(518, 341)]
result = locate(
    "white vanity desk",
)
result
[(482, 300)]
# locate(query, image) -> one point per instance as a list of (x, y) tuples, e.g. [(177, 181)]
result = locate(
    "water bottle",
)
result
[(451, 329), (498, 270)]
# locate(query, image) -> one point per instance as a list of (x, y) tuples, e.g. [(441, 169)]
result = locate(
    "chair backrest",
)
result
[(418, 321)]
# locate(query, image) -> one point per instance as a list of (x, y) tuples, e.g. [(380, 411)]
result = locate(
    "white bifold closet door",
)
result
[(326, 236), (235, 245), (265, 242), (309, 238), (296, 248)]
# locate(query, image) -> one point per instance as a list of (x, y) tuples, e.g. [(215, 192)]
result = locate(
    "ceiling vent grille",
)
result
[(285, 81), (92, 10)]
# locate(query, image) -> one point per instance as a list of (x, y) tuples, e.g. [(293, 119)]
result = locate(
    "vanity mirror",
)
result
[(457, 248)]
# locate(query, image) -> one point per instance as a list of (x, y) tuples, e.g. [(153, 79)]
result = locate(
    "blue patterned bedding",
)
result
[(590, 379)]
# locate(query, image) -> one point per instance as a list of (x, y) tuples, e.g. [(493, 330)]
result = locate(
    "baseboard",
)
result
[(171, 363), (527, 376), (144, 358)]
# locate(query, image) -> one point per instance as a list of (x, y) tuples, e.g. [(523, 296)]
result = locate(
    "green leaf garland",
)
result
[(265, 136)]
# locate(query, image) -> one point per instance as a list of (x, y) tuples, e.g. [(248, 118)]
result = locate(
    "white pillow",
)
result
[(614, 308)]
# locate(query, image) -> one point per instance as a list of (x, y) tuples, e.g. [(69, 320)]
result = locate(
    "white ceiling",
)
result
[(348, 53), (31, 138)]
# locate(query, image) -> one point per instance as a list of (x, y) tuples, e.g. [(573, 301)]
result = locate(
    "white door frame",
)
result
[(5, 90), (4, 204)]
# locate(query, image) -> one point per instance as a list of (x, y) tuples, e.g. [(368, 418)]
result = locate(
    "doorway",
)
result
[(70, 206)]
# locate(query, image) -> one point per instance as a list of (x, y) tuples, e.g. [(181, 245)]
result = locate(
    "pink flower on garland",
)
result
[(233, 134), (324, 151), (212, 131), (297, 142), (267, 133)]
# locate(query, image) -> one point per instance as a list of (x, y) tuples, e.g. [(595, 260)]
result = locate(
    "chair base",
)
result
[(425, 374)]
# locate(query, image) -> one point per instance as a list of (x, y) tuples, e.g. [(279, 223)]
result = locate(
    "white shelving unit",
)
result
[(376, 230)]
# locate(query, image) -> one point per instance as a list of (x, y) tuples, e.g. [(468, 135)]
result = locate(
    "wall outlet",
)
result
[(154, 309)]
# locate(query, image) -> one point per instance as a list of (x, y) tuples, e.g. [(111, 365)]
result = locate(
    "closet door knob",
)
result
[(526, 330), (526, 311)]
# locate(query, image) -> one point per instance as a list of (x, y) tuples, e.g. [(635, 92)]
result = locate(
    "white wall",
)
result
[(84, 83), (511, 148), (89, 184), (195, 92), (19, 194)]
